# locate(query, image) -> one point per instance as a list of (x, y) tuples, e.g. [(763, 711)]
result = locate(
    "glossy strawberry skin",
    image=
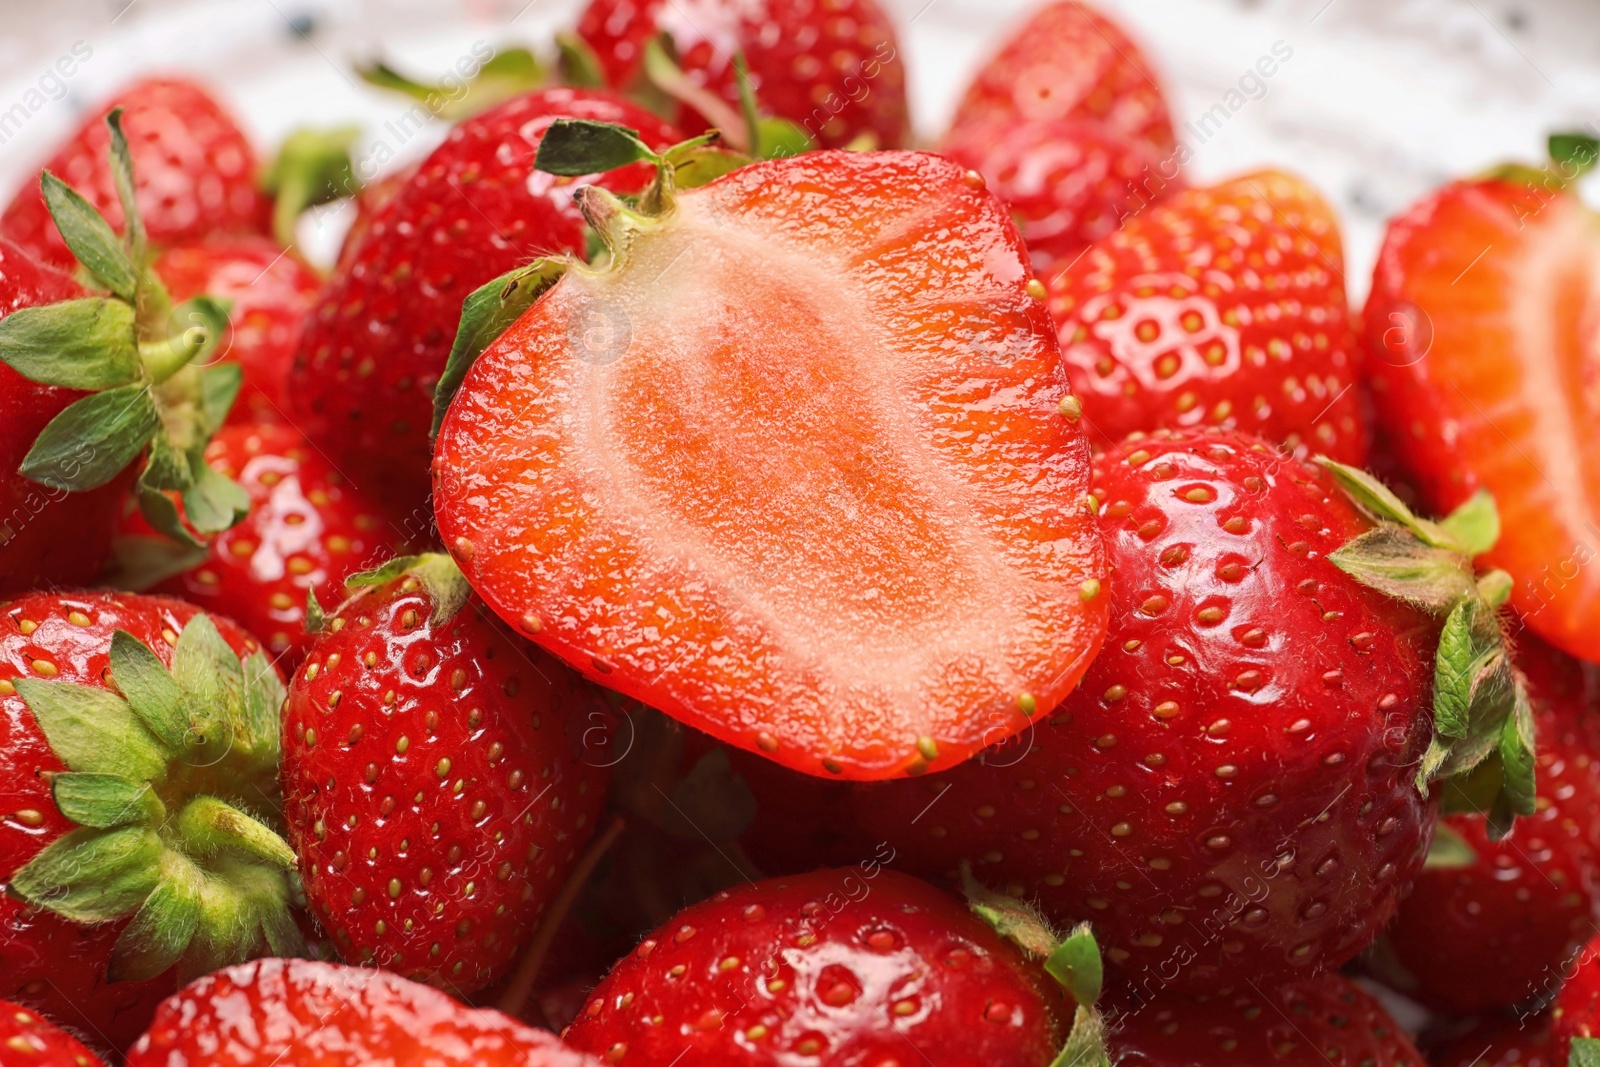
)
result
[(434, 764), (36, 1043), (1325, 1021), (836, 966), (194, 171), (1222, 306), (1576, 1012), (48, 537), (271, 293), (275, 1012), (1492, 934), (1509, 1042), (375, 345), (1479, 331), (1067, 60), (307, 529), (833, 69), (1229, 793), (1068, 182), (48, 963)]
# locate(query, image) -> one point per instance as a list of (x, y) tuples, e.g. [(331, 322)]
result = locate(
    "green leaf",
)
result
[(211, 678), (141, 563), (702, 165), (1585, 1052), (1011, 918), (580, 67), (92, 876), (1475, 525), (578, 147), (103, 801), (485, 315), (281, 933), (166, 467), (1449, 850), (90, 237), (1575, 154), (77, 344), (1390, 559), (1517, 765), (1379, 501), (780, 139), (263, 702), (151, 691), (1076, 964), (214, 502), (316, 617), (90, 442), (122, 178), (219, 387), (161, 513), (1086, 1043), (91, 729), (160, 931), (1453, 672), (312, 167)]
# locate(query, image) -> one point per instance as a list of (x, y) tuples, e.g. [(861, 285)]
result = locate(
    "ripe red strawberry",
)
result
[(832, 69), (1231, 793), (860, 965), (32, 1041), (271, 294), (893, 573), (1575, 1015), (1491, 933), (1068, 60), (307, 530), (1479, 326), (128, 794), (1325, 1021), (1521, 1042), (195, 171), (432, 779), (1069, 182), (1220, 307), (36, 548), (277, 1012), (362, 385)]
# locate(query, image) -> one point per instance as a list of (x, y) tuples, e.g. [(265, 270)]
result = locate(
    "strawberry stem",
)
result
[(208, 826)]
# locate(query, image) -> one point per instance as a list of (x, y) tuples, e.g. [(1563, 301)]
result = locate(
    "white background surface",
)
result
[(1382, 99)]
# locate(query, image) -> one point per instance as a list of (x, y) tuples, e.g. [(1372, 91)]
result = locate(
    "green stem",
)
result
[(207, 826), (166, 357)]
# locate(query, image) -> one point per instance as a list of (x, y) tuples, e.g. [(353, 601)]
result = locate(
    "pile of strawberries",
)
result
[(700, 582)]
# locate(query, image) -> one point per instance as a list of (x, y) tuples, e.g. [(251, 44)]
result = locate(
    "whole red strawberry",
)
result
[(1224, 307), (376, 344), (859, 965), (1067, 60), (1326, 1021), (433, 778), (833, 69), (1231, 793), (194, 171), (1491, 930), (1511, 1042), (271, 294), (1068, 181), (33, 1041), (277, 1012), (307, 530), (1480, 329), (137, 767), (48, 535)]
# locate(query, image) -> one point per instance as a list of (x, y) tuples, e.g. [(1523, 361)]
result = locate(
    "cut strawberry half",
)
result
[(796, 465), (1482, 332)]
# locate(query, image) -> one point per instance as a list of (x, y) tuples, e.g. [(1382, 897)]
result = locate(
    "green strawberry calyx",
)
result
[(172, 781), (507, 73), (578, 148), (1572, 155), (1585, 1052), (1483, 736), (143, 362), (1073, 961), (434, 572), (312, 167)]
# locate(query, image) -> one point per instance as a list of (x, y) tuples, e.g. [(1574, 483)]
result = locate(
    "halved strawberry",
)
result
[(1481, 325), (790, 466)]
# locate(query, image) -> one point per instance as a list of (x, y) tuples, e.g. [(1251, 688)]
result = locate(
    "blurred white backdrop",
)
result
[(1380, 100)]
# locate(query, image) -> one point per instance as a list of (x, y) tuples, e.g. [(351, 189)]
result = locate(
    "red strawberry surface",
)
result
[(852, 966), (271, 293), (833, 69), (434, 780), (1495, 932), (1067, 60), (1509, 1042), (48, 536), (307, 529), (1576, 1012), (1222, 306), (896, 572), (1325, 1021), (277, 1012), (194, 171), (1480, 329), (1068, 182), (31, 1041), (374, 347), (58, 963), (1229, 794)]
